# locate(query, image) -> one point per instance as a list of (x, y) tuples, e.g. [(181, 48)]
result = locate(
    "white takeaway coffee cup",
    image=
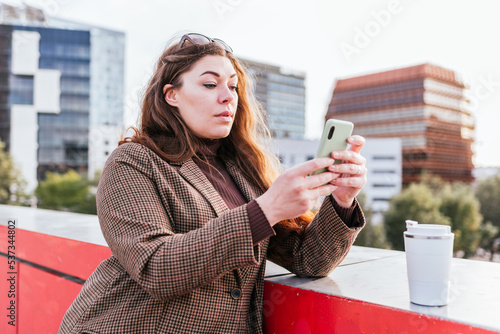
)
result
[(429, 250)]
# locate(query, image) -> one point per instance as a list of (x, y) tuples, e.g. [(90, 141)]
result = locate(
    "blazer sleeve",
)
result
[(324, 245), (137, 227)]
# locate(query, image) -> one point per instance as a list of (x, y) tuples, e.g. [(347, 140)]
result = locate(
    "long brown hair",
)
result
[(163, 130)]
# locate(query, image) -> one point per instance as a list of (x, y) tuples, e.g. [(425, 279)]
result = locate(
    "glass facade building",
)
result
[(61, 92), (107, 71), (424, 105), (62, 137), (282, 95), (106, 90)]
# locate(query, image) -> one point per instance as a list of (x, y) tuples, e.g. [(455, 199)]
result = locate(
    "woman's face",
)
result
[(207, 98)]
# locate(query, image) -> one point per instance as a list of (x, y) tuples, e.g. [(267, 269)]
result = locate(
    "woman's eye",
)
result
[(210, 85), (234, 88)]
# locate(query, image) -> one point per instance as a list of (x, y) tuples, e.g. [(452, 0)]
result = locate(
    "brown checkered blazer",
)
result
[(179, 252)]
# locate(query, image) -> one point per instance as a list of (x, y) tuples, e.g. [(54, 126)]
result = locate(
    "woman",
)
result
[(188, 205)]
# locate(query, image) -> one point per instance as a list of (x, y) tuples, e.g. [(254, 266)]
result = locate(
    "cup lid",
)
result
[(433, 231)]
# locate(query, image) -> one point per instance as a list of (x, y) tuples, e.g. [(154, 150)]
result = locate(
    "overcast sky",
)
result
[(325, 39)]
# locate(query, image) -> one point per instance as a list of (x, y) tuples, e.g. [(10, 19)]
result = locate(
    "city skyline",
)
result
[(327, 40)]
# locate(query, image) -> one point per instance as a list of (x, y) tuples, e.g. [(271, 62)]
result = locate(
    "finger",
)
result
[(352, 182), (349, 156), (318, 180), (310, 166), (323, 190), (353, 169), (336, 175), (357, 142)]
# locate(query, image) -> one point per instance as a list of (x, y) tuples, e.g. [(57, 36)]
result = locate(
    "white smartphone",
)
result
[(334, 138)]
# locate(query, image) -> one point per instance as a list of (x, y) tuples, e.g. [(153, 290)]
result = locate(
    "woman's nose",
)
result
[(226, 96)]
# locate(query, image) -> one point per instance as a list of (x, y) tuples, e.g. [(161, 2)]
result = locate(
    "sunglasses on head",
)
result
[(200, 39)]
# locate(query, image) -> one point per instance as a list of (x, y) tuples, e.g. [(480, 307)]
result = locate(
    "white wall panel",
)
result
[(23, 142), (47, 91), (25, 52), (103, 139)]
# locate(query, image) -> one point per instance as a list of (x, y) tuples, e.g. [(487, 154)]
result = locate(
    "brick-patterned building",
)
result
[(424, 105)]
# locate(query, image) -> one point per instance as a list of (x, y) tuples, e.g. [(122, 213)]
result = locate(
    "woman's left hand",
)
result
[(350, 174)]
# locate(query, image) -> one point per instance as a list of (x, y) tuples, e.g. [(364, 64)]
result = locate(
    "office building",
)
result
[(292, 152), (424, 105), (107, 54), (384, 175), (57, 83), (282, 94)]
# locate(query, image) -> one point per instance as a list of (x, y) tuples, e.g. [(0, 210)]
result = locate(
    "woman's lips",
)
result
[(225, 116)]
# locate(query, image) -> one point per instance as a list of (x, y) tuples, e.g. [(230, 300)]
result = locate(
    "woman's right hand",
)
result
[(295, 192)]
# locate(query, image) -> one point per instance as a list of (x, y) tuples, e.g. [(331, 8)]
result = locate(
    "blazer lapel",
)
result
[(248, 191), (193, 174)]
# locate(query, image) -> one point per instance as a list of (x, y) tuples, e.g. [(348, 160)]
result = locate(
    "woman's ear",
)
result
[(170, 95)]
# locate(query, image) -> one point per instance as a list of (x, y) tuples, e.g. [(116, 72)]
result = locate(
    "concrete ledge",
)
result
[(368, 293)]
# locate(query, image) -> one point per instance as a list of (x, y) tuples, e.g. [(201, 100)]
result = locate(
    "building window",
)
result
[(383, 171), (21, 89), (383, 185), (384, 157)]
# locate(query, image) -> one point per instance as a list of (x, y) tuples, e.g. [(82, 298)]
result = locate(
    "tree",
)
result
[(371, 235), (416, 202), (66, 192), (488, 194), (11, 183), (488, 240), (460, 205), (436, 202)]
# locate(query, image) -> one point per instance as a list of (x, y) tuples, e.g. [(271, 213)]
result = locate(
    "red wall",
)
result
[(292, 310), (42, 297)]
